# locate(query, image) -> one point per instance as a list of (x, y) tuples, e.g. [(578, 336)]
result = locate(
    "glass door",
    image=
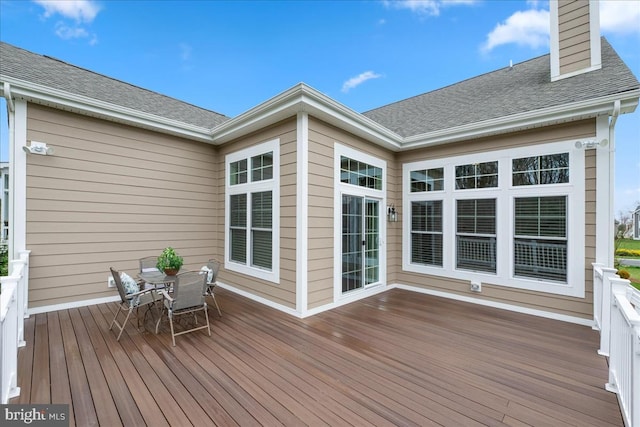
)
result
[(360, 242)]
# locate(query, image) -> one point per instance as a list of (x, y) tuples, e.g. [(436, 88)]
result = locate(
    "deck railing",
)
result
[(617, 316), (13, 304)]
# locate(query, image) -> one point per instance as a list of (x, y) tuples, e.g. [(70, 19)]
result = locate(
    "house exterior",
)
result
[(635, 223), (496, 190)]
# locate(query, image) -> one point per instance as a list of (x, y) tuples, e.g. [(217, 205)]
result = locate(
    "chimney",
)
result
[(574, 37)]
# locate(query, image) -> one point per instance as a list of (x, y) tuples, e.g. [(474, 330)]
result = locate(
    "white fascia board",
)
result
[(531, 119), (303, 98), (44, 95)]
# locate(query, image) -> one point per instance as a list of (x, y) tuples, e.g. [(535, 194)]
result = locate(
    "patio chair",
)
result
[(131, 297), (187, 298), (148, 265), (210, 282)]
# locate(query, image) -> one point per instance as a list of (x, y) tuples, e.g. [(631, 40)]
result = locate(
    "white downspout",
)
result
[(612, 177)]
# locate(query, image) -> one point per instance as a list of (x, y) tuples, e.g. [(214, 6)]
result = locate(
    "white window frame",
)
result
[(341, 188), (505, 195), (248, 188)]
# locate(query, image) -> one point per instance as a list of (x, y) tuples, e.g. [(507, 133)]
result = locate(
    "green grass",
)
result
[(634, 271), (627, 244)]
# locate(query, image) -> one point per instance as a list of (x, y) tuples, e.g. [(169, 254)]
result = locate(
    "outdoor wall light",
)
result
[(589, 144), (392, 214), (38, 148)]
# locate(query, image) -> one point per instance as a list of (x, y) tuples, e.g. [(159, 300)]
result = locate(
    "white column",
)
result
[(604, 195), (302, 214), (18, 171)]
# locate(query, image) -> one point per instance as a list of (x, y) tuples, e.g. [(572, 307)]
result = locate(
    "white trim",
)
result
[(74, 304), (499, 305), (576, 73), (303, 98), (340, 189), (505, 195), (247, 188), (604, 205), (594, 32), (302, 213), (554, 40), (260, 299), (18, 184), (80, 104)]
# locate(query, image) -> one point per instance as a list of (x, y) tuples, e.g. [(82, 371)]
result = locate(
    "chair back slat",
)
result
[(187, 290), (148, 264), (119, 285), (213, 265)]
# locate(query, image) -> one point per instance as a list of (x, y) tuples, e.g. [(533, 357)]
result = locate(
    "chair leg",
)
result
[(124, 324), (159, 319), (173, 337), (206, 316), (217, 306)]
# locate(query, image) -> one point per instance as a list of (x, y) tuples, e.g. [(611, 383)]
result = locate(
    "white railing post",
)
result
[(19, 267), (597, 296), (624, 359), (605, 327), (24, 256), (12, 316), (8, 341)]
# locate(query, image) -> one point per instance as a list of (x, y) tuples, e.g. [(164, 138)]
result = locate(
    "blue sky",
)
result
[(231, 56)]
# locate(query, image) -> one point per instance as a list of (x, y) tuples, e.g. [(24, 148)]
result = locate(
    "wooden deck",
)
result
[(399, 358)]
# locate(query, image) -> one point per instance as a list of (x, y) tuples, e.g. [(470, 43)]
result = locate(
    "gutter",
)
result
[(44, 95), (6, 93), (615, 112)]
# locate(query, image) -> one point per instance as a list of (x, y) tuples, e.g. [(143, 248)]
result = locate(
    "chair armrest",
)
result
[(166, 295), (142, 292)]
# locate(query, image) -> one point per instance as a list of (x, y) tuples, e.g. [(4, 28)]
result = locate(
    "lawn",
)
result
[(627, 244), (634, 271)]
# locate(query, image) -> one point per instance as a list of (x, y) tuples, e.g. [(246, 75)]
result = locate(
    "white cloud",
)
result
[(525, 28), (358, 80), (425, 7), (65, 32), (621, 17), (78, 10)]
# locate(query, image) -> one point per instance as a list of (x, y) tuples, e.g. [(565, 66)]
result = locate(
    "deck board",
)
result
[(398, 358)]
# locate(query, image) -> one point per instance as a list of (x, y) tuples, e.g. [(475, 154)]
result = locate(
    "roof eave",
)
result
[(43, 95), (303, 98), (527, 120)]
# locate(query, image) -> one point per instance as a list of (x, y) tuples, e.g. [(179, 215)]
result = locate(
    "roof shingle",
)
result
[(525, 87)]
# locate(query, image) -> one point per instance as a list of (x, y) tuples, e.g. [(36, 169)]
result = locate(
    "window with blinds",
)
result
[(426, 232), (540, 237), (261, 229), (238, 228), (476, 235), (251, 210)]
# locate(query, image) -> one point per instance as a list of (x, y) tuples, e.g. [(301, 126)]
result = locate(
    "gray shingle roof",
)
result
[(43, 70), (523, 88)]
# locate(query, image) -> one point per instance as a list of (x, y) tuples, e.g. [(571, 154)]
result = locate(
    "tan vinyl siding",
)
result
[(322, 138), (574, 35), (110, 195), (577, 307), (283, 293)]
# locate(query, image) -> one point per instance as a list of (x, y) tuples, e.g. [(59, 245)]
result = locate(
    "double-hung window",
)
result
[(476, 234), (503, 217), (252, 211)]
